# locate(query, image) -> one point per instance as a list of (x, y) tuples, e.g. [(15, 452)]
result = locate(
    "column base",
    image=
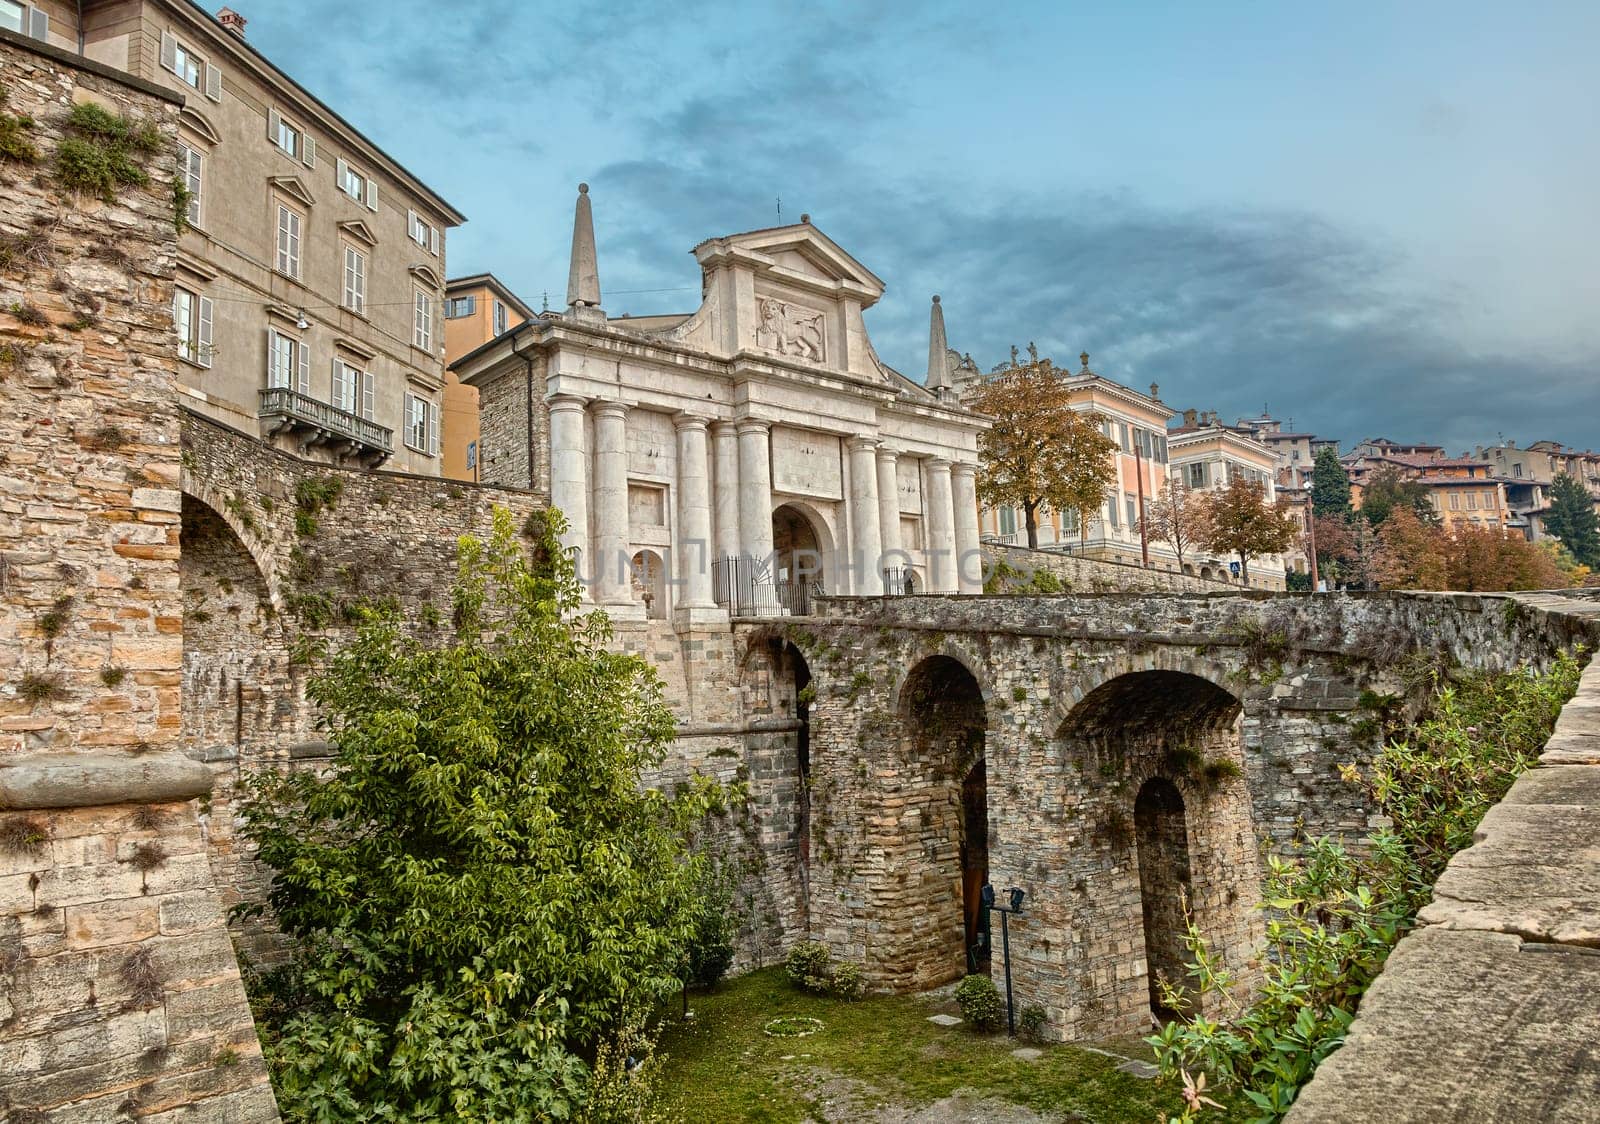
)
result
[(625, 612), (699, 618)]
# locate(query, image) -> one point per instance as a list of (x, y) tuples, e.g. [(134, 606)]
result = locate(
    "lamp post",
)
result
[(1014, 896)]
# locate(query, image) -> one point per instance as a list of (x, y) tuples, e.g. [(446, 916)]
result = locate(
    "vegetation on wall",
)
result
[(1335, 914), (104, 152), (486, 897), (15, 143)]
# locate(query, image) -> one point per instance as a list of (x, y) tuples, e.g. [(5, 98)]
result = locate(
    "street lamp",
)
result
[(1014, 896)]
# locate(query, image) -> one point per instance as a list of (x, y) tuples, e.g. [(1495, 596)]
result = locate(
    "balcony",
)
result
[(318, 425)]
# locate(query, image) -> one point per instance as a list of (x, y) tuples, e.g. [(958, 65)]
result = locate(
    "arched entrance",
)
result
[(649, 581), (1160, 816), (1161, 836), (802, 550), (945, 721)]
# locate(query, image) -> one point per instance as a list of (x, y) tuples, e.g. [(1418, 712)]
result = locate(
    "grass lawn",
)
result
[(880, 1058)]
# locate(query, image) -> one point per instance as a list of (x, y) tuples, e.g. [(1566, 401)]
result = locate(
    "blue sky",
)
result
[(1372, 218)]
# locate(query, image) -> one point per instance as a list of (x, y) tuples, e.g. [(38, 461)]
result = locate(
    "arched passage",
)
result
[(803, 551), (648, 579), (1162, 818), (944, 724)]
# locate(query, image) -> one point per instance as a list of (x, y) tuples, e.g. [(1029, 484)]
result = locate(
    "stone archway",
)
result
[(1165, 818), (944, 724), (648, 580), (803, 555)]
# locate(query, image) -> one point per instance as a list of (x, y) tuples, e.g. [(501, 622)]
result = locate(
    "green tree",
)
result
[(1239, 520), (486, 896), (1572, 520), (1330, 485), (1388, 490)]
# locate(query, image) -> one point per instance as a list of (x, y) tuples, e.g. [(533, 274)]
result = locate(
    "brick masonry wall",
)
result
[(119, 993)]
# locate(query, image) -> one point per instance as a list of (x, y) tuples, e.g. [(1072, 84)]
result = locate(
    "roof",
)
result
[(489, 281), (236, 41)]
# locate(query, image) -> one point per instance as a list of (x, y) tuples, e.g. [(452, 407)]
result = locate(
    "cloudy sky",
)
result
[(1372, 218)]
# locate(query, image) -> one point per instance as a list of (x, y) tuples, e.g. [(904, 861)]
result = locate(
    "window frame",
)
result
[(500, 317), (353, 298), (195, 336), (297, 235), (421, 319), (454, 311), (298, 146), (193, 173)]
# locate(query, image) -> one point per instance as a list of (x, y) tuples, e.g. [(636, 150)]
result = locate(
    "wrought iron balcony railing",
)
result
[(323, 424)]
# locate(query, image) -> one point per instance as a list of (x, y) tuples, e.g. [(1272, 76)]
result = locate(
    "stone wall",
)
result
[(119, 993), (514, 453), (1091, 575), (1487, 1012)]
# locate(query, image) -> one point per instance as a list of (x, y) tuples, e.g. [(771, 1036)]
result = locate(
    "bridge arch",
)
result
[(197, 490)]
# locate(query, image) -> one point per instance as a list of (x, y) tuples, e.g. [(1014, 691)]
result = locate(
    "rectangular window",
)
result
[(1455, 501), (457, 307), (499, 319), (1111, 513), (1132, 506), (288, 138), (422, 232), (357, 185), (1127, 444), (289, 227), (422, 425), (190, 167), (288, 362), (355, 280), (353, 389), (422, 321), (24, 19), (1069, 521), (1008, 520), (187, 66), (192, 322), (1195, 475)]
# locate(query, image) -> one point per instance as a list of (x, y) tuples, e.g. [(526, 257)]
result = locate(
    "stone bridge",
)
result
[(1113, 756)]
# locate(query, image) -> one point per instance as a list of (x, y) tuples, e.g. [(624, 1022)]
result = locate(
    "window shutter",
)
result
[(38, 24), (204, 356), (213, 83), (433, 428), (169, 51), (367, 395), (273, 120), (339, 169), (341, 400), (308, 150), (433, 240), (303, 350), (372, 194), (272, 356), (411, 225)]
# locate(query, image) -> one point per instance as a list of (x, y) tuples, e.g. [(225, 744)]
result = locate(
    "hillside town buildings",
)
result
[(1463, 491), (308, 303), (1528, 473)]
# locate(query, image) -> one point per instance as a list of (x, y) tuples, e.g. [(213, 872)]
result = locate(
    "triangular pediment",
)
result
[(294, 188), (804, 249), (359, 231)]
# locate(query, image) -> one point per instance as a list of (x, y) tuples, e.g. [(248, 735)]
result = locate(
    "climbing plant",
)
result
[(104, 151)]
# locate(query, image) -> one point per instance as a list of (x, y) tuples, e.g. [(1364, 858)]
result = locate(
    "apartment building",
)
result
[(1138, 424), (1462, 490), (476, 310), (310, 288), (1206, 455), (1528, 473)]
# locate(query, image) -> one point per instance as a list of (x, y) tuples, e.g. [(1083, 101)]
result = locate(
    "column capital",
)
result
[(611, 407), (963, 468), (861, 441), (888, 453), (938, 464), (565, 401), (753, 425), (723, 425), (688, 419)]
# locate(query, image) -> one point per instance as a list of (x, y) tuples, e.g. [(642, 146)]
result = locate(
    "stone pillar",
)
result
[(941, 529), (964, 498), (612, 588), (894, 556), (725, 437), (569, 479), (866, 542), (692, 539), (755, 491)]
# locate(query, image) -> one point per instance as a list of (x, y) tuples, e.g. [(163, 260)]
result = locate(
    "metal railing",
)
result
[(303, 410), (900, 581), (746, 588)]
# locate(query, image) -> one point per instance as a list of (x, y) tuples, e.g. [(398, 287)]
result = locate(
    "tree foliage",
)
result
[(1040, 452), (1237, 519), (1411, 554), (1176, 517), (484, 893), (1388, 491), (1330, 485), (1572, 520)]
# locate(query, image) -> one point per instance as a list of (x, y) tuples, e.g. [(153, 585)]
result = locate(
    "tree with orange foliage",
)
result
[(1239, 520), (1176, 517), (1410, 554), (1040, 452)]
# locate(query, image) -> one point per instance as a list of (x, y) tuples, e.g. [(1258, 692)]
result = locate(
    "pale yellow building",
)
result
[(476, 310), (308, 303), (1209, 456)]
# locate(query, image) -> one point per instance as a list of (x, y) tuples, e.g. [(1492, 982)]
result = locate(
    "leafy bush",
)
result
[(485, 895), (1031, 1020), (811, 968), (710, 951), (1334, 914), (105, 152), (980, 1003)]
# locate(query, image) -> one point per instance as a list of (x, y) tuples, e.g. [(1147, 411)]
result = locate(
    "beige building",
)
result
[(476, 310), (310, 288), (1212, 455)]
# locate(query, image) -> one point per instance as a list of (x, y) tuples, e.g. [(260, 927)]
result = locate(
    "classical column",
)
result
[(866, 542), (755, 491), (941, 529), (894, 556), (693, 538), (569, 479), (964, 497), (611, 539), (725, 438)]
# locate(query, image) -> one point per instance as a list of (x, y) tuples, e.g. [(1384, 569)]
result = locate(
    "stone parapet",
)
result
[(1078, 574)]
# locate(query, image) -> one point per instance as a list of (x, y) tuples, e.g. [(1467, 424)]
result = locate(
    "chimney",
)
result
[(1191, 418), (231, 20)]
